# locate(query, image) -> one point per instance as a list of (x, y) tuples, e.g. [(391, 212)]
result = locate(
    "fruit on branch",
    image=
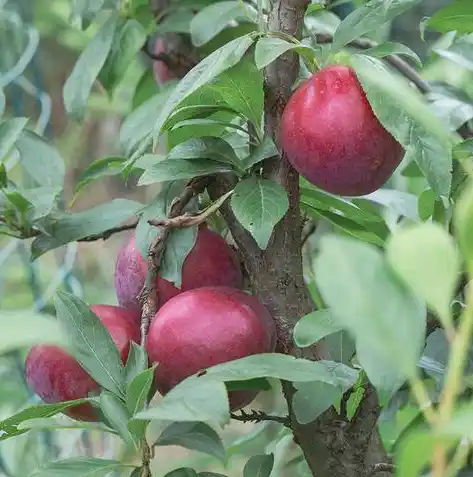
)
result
[(204, 327), (161, 70), (55, 376), (331, 136), (211, 262)]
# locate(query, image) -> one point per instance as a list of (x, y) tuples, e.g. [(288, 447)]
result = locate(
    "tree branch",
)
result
[(260, 416)]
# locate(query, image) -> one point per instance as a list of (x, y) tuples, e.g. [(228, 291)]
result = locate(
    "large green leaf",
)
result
[(241, 88), (456, 15), (118, 416), (40, 160), (315, 326), (25, 328), (80, 467), (460, 52), (259, 205), (10, 131), (196, 436), (9, 427), (367, 18), (191, 400), (387, 321), (211, 20), (87, 68), (280, 366), (66, 227), (259, 466), (91, 343), (407, 117), (426, 258), (214, 64)]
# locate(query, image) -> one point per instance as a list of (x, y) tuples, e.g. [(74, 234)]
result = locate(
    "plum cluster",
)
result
[(207, 321)]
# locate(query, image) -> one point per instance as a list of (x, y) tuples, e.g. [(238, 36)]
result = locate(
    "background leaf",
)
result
[(93, 346), (457, 15), (315, 326), (212, 19), (194, 436), (79, 84), (387, 321), (426, 258), (259, 466), (80, 467), (259, 205)]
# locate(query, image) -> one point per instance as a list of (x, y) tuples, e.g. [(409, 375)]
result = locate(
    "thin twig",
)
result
[(381, 467), (190, 220), (27, 233), (260, 416), (157, 248)]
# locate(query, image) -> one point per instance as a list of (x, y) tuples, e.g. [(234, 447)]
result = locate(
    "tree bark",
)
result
[(331, 446)]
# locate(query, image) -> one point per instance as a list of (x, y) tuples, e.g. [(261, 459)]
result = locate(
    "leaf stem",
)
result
[(423, 400)]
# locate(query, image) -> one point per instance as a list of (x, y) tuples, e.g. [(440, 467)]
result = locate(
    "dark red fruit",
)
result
[(161, 71), (55, 376), (211, 262), (332, 137), (204, 327)]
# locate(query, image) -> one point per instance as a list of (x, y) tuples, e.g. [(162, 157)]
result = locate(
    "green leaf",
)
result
[(10, 131), (103, 167), (312, 399), (21, 329), (241, 88), (139, 123), (53, 423), (213, 65), (269, 49), (264, 150), (259, 466), (9, 427), (369, 17), (174, 169), (280, 366), (463, 219), (259, 205), (80, 467), (93, 346), (87, 68), (3, 176), (176, 22), (66, 227), (456, 15), (460, 52), (129, 37), (191, 400), (315, 326), (407, 117), (387, 321), (118, 416), (464, 150), (136, 363), (426, 204), (390, 48), (211, 20), (196, 436), (213, 148), (416, 451), (426, 259), (182, 472), (354, 401), (138, 390), (40, 160)]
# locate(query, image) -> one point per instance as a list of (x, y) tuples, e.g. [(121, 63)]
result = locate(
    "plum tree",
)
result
[(161, 71), (211, 262), (55, 376), (332, 137), (204, 327)]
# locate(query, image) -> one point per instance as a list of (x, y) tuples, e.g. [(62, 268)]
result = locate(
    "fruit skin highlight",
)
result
[(211, 262), (332, 138), (204, 327), (55, 376)]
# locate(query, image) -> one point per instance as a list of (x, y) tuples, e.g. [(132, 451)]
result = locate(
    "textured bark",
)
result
[(331, 446)]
